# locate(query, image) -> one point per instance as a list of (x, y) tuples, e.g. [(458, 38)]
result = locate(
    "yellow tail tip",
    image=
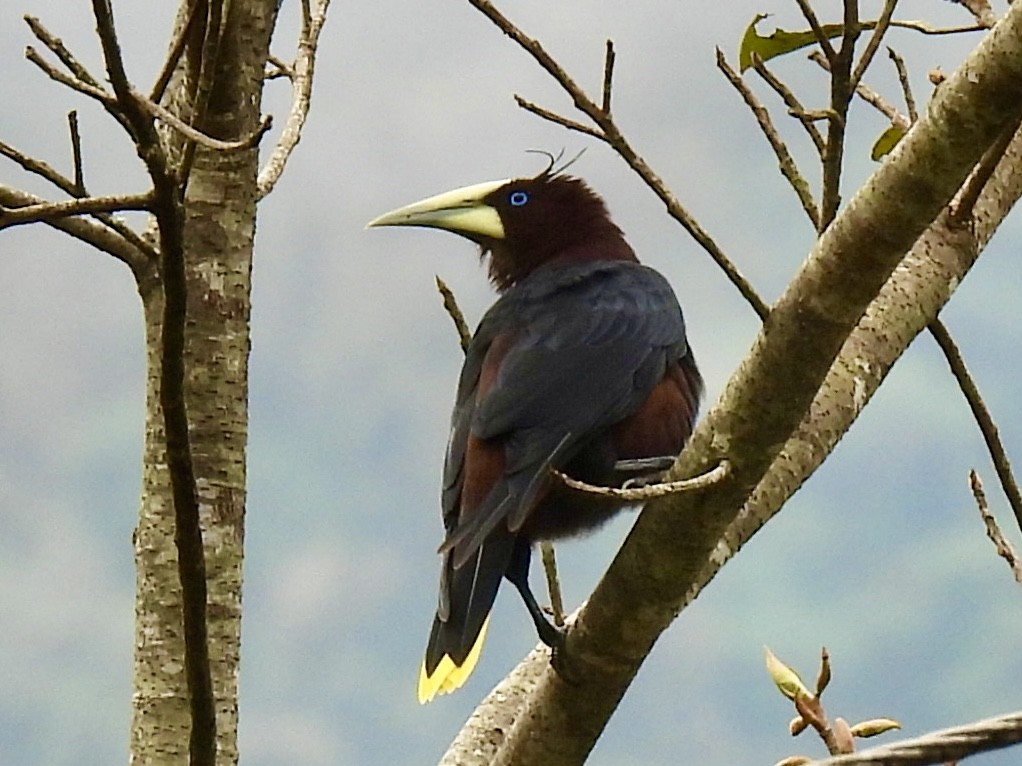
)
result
[(447, 676)]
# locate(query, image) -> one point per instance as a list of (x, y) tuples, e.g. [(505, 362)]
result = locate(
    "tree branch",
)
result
[(940, 747), (92, 233), (610, 134), (49, 211), (647, 584), (981, 414), (785, 161), (301, 74)]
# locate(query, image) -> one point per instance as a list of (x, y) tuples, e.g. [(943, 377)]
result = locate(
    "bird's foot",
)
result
[(560, 659)]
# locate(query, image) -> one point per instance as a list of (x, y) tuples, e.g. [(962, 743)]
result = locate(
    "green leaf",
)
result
[(780, 42), (887, 141)]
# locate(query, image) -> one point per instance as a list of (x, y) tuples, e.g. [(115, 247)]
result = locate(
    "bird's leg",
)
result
[(517, 574)]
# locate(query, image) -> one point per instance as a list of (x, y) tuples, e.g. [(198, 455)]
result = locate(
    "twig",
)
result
[(546, 549), (608, 75), (167, 117), (982, 416), (784, 159), (302, 74), (906, 86), (92, 91), (57, 47), (40, 168), (962, 211), (638, 494), (939, 746), (1004, 549), (558, 119), (795, 107), (873, 45), (49, 211), (928, 29), (91, 232), (177, 48), (814, 24), (841, 91), (612, 135), (870, 96), (453, 310), (76, 154)]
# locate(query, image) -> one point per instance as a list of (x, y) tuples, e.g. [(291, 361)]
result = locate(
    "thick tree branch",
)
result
[(648, 582)]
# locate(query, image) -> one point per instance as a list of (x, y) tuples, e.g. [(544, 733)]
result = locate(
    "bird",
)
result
[(582, 366)]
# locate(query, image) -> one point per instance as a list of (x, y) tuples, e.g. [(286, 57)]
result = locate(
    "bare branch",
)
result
[(49, 211), (1004, 549), (74, 83), (301, 73), (870, 96), (91, 232), (821, 35), (167, 117), (177, 48), (784, 159), (44, 170), (795, 107), (906, 86), (982, 416), (454, 311), (873, 45), (76, 154), (939, 747), (546, 549), (715, 475), (57, 47), (613, 136), (841, 90), (558, 119), (928, 29), (608, 76)]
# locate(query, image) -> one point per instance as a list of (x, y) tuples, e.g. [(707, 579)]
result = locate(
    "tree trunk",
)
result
[(219, 231)]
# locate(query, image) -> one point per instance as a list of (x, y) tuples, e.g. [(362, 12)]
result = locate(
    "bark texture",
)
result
[(219, 229)]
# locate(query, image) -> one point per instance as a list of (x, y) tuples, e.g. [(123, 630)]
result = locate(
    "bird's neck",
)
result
[(506, 268)]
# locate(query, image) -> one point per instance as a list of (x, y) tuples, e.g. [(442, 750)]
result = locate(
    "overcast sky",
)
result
[(881, 556)]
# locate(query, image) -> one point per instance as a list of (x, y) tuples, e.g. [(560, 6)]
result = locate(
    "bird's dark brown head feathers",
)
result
[(523, 223), (548, 218)]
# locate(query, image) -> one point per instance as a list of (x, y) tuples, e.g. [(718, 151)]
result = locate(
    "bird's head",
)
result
[(522, 223)]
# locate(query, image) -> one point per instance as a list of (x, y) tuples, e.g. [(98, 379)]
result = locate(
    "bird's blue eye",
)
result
[(518, 198)]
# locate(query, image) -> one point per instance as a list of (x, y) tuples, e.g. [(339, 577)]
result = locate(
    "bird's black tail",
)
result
[(466, 595)]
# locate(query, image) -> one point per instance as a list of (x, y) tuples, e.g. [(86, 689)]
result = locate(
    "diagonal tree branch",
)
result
[(648, 583)]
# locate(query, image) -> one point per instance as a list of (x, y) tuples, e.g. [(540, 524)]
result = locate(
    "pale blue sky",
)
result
[(881, 556)]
